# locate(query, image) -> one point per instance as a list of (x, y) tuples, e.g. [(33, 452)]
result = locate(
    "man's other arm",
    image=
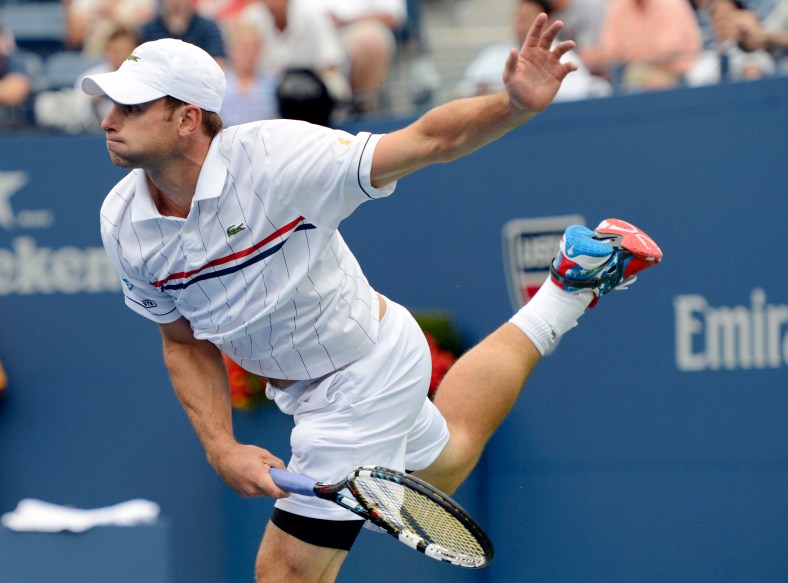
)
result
[(200, 380)]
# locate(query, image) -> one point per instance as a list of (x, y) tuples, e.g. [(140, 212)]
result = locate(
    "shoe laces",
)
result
[(626, 283)]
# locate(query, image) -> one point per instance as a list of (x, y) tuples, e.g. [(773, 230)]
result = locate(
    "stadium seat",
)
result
[(63, 68), (34, 65), (37, 26)]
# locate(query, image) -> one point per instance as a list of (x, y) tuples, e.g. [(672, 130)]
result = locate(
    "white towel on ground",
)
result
[(33, 515)]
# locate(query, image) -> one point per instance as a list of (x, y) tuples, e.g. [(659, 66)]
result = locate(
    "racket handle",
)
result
[(295, 483)]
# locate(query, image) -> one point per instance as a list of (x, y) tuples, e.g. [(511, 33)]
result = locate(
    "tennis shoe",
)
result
[(604, 259)]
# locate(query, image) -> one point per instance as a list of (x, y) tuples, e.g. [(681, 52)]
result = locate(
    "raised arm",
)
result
[(532, 77), (200, 381)]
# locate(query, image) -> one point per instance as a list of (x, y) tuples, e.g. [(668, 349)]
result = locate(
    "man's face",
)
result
[(141, 136), (245, 48)]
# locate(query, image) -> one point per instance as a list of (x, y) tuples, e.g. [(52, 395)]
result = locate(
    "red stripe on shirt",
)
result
[(278, 233)]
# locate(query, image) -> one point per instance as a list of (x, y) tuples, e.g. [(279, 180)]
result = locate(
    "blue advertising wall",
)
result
[(651, 446)]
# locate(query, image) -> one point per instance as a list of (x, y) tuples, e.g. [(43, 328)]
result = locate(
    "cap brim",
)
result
[(120, 88)]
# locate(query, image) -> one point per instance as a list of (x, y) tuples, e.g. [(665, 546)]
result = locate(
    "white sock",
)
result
[(550, 314)]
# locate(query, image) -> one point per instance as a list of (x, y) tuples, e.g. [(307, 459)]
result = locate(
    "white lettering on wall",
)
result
[(754, 336), (27, 269)]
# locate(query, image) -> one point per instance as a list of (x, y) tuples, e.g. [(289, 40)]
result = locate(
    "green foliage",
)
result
[(440, 326)]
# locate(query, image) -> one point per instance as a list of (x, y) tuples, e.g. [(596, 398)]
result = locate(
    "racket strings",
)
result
[(410, 510)]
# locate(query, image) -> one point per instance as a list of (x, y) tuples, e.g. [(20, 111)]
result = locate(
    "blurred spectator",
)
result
[(251, 92), (178, 19), (770, 35), (367, 29), (702, 9), (764, 8), (726, 61), (15, 83), (582, 23), (120, 44), (7, 40), (485, 73), (73, 110), (648, 44), (222, 12), (295, 37), (89, 23)]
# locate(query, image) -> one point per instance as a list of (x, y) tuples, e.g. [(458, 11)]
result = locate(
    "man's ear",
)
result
[(190, 119)]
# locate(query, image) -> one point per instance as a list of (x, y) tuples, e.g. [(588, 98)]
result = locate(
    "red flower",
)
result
[(441, 362), (246, 388)]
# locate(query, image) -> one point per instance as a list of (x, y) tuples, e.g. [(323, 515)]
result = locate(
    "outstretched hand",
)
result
[(534, 74)]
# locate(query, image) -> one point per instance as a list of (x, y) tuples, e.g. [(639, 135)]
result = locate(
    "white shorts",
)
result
[(374, 411)]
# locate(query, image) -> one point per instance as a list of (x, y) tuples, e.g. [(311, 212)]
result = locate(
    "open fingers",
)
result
[(563, 47), (542, 36), (535, 32), (549, 35)]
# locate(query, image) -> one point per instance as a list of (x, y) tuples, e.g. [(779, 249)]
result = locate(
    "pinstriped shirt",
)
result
[(258, 266)]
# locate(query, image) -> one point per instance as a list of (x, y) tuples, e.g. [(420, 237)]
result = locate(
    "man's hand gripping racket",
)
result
[(407, 508)]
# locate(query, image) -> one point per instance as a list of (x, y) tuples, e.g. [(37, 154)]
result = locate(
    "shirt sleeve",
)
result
[(321, 173), (142, 297)]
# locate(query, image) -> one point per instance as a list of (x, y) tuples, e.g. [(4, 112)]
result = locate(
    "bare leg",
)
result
[(481, 388), (475, 397), (282, 558)]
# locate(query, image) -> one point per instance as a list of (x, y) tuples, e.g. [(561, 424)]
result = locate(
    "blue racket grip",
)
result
[(295, 483)]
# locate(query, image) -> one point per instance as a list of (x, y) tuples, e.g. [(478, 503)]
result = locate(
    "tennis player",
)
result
[(228, 240)]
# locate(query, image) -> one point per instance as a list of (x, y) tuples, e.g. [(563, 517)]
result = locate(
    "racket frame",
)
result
[(363, 508)]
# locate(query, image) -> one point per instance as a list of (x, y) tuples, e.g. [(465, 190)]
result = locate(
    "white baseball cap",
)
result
[(163, 67)]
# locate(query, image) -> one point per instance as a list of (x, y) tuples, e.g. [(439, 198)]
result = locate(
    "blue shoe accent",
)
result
[(578, 240), (580, 260)]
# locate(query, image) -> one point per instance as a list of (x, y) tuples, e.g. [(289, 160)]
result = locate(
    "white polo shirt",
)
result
[(258, 267)]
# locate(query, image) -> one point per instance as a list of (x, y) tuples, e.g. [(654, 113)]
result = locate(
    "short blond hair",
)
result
[(212, 122)]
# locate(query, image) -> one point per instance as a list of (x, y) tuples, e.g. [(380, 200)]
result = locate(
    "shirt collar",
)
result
[(142, 207), (213, 174), (210, 183)]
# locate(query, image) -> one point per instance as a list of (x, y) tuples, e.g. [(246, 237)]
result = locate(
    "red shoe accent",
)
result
[(646, 252)]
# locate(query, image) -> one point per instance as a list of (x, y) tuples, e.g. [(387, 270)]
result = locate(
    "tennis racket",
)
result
[(407, 508)]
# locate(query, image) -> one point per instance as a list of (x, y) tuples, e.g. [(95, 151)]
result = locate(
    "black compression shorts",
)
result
[(332, 534)]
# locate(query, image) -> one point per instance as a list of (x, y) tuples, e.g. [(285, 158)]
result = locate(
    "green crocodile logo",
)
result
[(235, 229), (133, 57)]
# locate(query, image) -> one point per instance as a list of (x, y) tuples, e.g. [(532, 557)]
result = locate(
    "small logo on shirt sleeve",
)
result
[(149, 304)]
